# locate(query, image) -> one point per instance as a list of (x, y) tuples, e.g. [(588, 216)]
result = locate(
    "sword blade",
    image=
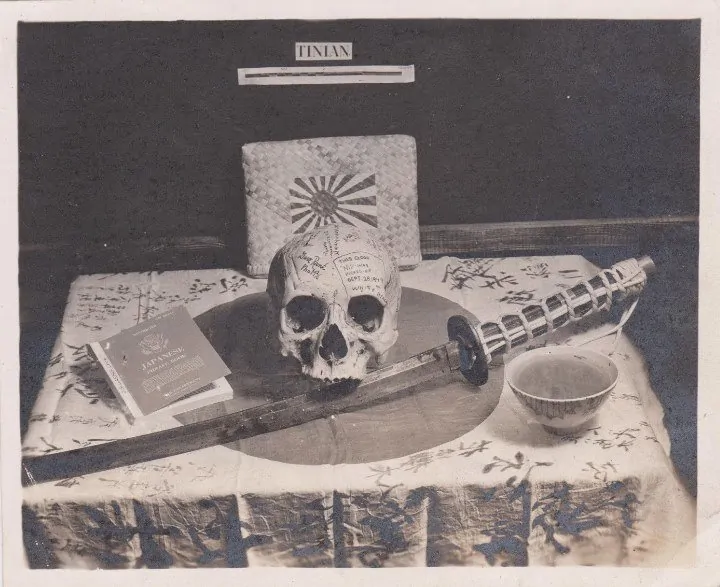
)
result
[(379, 386)]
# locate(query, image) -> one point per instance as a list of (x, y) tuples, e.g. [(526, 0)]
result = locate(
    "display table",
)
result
[(454, 475)]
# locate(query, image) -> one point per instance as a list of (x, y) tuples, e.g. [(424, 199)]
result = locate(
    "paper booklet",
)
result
[(164, 365)]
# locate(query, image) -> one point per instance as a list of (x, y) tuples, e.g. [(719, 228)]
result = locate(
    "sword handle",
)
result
[(482, 342)]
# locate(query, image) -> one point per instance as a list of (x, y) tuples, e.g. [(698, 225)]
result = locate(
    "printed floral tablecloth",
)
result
[(505, 493)]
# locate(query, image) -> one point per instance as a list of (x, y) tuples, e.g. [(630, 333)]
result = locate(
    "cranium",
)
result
[(334, 300)]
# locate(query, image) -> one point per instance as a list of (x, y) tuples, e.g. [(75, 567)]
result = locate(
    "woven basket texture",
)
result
[(294, 186)]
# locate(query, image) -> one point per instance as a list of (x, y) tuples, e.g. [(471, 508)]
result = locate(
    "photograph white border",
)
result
[(707, 571)]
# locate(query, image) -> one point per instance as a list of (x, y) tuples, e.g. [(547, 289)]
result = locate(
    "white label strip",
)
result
[(338, 74)]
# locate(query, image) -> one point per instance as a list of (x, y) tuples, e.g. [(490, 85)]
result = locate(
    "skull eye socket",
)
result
[(305, 313), (367, 312)]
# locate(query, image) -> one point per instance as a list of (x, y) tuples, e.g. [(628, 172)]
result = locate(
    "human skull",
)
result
[(334, 300)]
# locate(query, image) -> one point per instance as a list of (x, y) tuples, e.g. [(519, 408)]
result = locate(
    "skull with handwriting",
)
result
[(334, 301)]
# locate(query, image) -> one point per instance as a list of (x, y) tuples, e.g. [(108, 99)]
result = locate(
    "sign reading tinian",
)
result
[(313, 51)]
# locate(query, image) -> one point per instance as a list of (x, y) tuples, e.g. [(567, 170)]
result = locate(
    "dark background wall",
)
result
[(135, 129)]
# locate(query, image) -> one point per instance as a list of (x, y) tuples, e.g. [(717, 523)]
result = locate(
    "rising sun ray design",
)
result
[(321, 200)]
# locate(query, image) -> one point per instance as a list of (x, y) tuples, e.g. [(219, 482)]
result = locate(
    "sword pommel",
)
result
[(647, 265)]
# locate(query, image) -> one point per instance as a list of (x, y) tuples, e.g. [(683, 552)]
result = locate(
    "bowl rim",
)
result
[(564, 349)]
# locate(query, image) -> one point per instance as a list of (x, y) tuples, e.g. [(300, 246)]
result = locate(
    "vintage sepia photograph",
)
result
[(358, 293)]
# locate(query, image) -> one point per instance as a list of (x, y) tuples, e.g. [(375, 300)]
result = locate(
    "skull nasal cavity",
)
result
[(333, 345)]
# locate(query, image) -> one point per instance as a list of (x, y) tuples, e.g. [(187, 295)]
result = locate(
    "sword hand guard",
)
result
[(473, 364)]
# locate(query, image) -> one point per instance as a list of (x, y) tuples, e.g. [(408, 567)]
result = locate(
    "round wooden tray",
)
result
[(440, 412)]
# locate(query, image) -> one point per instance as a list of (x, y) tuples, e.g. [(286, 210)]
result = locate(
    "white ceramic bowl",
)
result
[(562, 387)]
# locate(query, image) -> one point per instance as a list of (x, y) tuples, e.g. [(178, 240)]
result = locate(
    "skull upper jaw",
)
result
[(354, 365)]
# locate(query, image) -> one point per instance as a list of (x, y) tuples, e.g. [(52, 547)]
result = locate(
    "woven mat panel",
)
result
[(292, 187)]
